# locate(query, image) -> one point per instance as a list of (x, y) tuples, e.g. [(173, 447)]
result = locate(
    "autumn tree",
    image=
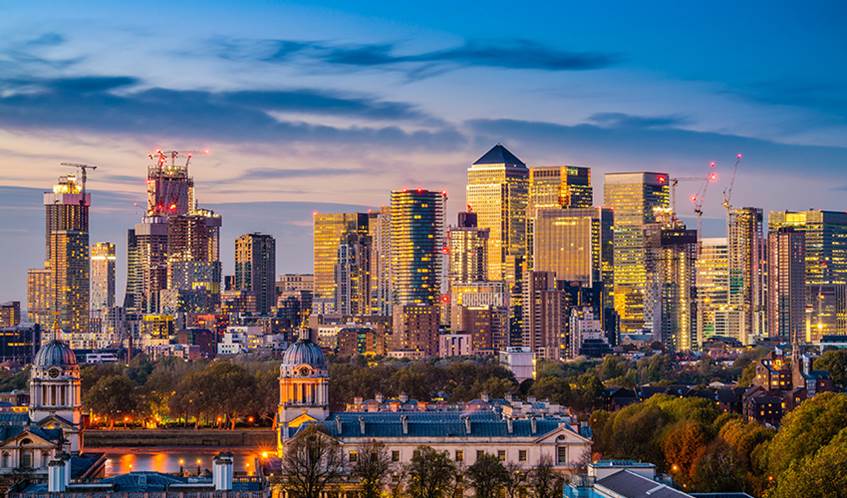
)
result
[(683, 444), (820, 474), (544, 482), (431, 473), (113, 396), (312, 461)]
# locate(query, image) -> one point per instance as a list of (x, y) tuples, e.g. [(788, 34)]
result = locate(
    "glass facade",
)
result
[(329, 228)]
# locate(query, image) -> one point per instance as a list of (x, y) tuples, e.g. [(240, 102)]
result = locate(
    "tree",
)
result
[(431, 473), (553, 388), (683, 445), (544, 482), (818, 475), (371, 468), (112, 396), (834, 362), (487, 476), (312, 460), (516, 481)]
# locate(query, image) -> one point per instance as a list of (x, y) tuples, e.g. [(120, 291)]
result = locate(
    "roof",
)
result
[(146, 482), (10, 431), (484, 424), (628, 484), (304, 351), (54, 353), (500, 155)]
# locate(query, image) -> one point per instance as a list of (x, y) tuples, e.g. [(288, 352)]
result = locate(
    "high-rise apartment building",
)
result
[(151, 258), (468, 250), (634, 199), (65, 209), (255, 268), (545, 319), (352, 275), (415, 329), (102, 278), (786, 283), (38, 297), (69, 281), (675, 263), (712, 282), (417, 245), (380, 272), (10, 314), (747, 258), (329, 228), (498, 192), (825, 239)]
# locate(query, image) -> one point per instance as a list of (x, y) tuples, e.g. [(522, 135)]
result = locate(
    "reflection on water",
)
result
[(169, 460)]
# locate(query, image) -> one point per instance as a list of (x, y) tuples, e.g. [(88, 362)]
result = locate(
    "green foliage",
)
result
[(431, 473), (822, 474), (487, 476), (113, 396), (14, 381), (834, 362)]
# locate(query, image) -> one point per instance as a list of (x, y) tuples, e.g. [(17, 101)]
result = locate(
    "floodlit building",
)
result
[(635, 199), (712, 281), (329, 228)]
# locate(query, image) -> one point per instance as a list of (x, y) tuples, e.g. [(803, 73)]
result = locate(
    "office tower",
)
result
[(497, 191), (352, 275), (38, 297), (468, 250), (677, 254), (747, 289), (712, 280), (69, 281), (417, 245), (329, 228), (380, 232), (826, 242), (545, 320), (826, 311), (415, 329), (634, 197), (151, 258), (134, 290), (10, 314), (255, 268), (559, 187), (102, 277), (786, 283), (575, 244)]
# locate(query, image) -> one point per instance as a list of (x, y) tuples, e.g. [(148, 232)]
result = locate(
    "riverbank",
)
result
[(177, 438)]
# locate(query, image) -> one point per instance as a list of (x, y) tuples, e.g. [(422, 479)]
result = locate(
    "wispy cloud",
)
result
[(622, 120), (504, 54)]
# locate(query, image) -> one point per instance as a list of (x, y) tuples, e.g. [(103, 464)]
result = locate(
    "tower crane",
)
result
[(727, 192), (697, 198), (83, 169), (160, 157)]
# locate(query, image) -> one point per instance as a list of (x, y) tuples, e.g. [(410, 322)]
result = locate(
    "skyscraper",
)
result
[(559, 187), (545, 320), (417, 245), (65, 209), (498, 192), (677, 253), (746, 251), (255, 268), (786, 283), (329, 228), (38, 297), (575, 244), (712, 282), (69, 281), (352, 275), (634, 199), (468, 250), (102, 277), (380, 272), (826, 242)]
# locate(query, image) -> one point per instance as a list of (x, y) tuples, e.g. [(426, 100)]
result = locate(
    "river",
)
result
[(123, 460)]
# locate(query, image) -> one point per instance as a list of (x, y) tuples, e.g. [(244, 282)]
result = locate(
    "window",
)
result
[(561, 455), (479, 454), (501, 455), (395, 455), (521, 455), (5, 462), (26, 459), (459, 455), (354, 456)]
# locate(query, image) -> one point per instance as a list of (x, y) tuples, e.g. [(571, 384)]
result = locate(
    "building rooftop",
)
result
[(147, 482), (500, 155), (627, 484)]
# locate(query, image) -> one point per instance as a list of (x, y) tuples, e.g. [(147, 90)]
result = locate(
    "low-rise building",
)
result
[(521, 362)]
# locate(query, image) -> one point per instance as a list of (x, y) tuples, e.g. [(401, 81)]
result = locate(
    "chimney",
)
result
[(467, 421), (403, 397), (378, 397), (362, 424), (67, 459), (222, 471), (510, 427), (533, 425), (338, 424), (56, 481), (404, 421), (484, 397)]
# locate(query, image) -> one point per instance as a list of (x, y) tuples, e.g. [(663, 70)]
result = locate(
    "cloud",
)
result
[(825, 98), (504, 54), (32, 54), (115, 104), (279, 173), (622, 120)]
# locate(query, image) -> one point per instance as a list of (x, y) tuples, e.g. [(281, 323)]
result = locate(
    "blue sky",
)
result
[(308, 104)]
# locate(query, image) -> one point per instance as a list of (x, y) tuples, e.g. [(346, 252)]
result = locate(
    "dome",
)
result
[(55, 354), (304, 351)]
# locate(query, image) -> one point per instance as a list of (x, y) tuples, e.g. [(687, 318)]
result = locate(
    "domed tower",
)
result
[(55, 397), (303, 384)]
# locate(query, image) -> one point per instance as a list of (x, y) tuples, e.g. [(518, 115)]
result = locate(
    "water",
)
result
[(169, 460)]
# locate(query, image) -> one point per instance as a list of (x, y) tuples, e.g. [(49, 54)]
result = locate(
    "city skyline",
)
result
[(430, 103)]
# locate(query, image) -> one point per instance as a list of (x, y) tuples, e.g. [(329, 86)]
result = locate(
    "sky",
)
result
[(329, 105)]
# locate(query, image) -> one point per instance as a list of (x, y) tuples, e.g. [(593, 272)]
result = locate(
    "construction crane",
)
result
[(83, 169), (727, 192), (699, 197), (160, 157)]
